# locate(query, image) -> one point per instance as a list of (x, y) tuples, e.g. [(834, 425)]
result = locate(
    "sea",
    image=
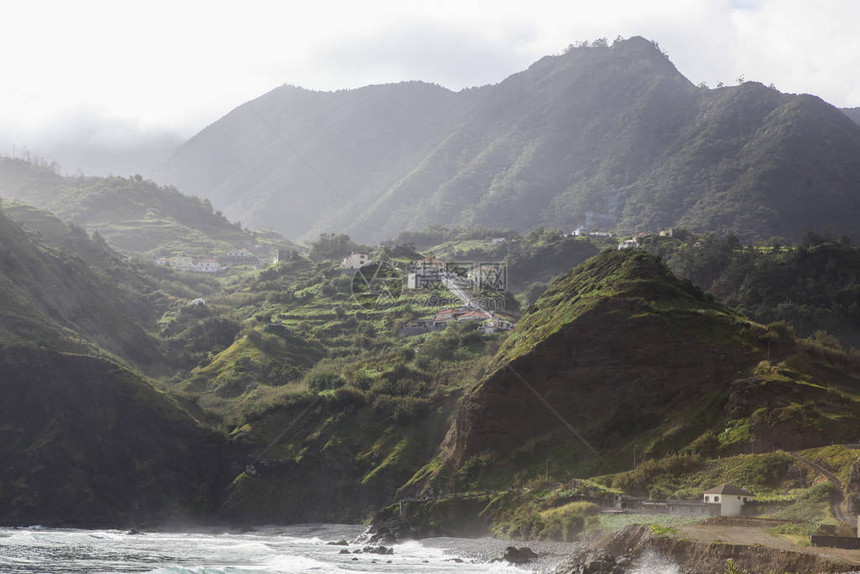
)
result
[(300, 548)]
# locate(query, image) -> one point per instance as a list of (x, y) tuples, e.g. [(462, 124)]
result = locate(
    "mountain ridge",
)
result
[(602, 137)]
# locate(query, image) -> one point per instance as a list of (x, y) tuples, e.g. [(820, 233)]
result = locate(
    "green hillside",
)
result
[(131, 214), (87, 443), (604, 136), (86, 440), (325, 410), (625, 353), (55, 298)]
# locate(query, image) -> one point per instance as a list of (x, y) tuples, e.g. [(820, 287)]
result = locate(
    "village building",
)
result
[(425, 273), (355, 261), (445, 315), (162, 262), (207, 266), (472, 316), (729, 497), (423, 280), (238, 257), (628, 244), (495, 325), (422, 326)]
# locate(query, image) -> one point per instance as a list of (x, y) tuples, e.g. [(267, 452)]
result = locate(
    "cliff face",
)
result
[(617, 349), (86, 442)]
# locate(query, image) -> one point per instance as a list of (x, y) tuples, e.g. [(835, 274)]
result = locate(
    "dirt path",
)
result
[(753, 531), (837, 499)]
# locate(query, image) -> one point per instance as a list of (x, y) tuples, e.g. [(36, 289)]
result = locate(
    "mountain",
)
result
[(72, 300), (620, 356), (85, 439), (131, 214), (853, 113), (88, 443), (602, 136)]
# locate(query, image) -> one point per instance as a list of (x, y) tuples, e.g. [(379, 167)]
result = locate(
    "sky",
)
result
[(113, 86)]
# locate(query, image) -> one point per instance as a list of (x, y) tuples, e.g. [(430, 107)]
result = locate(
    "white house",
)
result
[(493, 325), (355, 261), (628, 244), (425, 273), (731, 498), (207, 266)]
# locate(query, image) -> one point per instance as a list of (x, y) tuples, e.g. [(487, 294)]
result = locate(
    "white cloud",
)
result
[(176, 66)]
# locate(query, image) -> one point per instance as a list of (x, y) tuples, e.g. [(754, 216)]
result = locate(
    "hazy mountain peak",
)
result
[(607, 135)]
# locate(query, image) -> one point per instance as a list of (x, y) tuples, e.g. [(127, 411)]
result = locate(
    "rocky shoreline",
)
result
[(624, 550)]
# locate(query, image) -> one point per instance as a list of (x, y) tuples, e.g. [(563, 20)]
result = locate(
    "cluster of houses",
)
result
[(633, 242), (212, 264), (445, 317)]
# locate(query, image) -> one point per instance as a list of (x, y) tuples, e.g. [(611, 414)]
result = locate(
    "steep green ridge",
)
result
[(620, 364), (131, 214), (85, 442), (619, 354), (602, 136), (54, 298), (617, 347)]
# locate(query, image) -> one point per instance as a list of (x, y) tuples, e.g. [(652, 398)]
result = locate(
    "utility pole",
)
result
[(635, 446)]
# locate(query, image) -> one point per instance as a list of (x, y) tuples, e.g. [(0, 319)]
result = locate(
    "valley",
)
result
[(563, 307)]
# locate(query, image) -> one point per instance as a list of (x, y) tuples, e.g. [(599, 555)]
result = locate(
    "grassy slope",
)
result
[(89, 443), (132, 214)]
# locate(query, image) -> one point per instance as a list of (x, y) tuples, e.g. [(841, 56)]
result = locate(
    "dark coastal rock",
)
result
[(515, 555), (341, 542), (388, 527), (600, 564), (377, 550)]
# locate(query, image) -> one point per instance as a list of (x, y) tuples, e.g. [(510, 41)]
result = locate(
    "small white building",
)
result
[(731, 498), (355, 261), (628, 244), (493, 325), (207, 266)]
